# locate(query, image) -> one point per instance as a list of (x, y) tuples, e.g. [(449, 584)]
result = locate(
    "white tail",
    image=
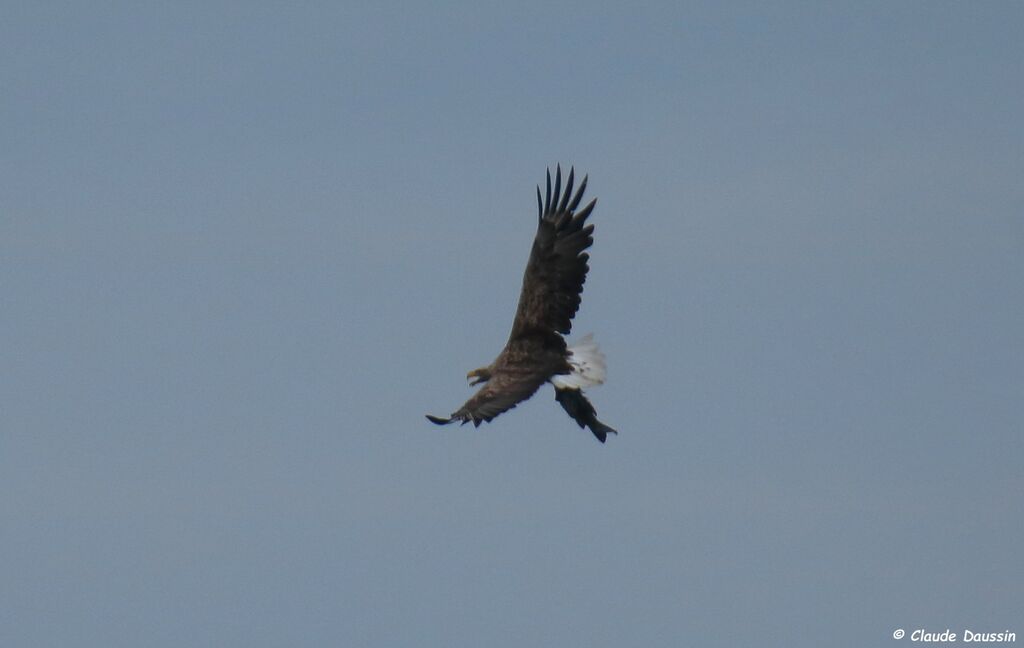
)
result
[(588, 368)]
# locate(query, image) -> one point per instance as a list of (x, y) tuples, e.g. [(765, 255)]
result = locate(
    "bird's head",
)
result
[(477, 376)]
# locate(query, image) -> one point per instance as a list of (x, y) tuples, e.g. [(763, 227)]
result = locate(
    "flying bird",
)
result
[(536, 351)]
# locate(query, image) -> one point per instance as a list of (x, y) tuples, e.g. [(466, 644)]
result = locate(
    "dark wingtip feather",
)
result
[(579, 194), (583, 213), (540, 206), (568, 190), (547, 196), (437, 420), (558, 185)]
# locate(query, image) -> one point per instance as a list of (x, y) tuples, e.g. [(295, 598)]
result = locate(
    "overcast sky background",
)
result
[(244, 249)]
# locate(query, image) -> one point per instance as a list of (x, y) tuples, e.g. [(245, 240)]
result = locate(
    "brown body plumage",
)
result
[(536, 352)]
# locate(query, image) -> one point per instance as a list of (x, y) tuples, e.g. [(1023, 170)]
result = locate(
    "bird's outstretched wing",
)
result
[(501, 393), (554, 276)]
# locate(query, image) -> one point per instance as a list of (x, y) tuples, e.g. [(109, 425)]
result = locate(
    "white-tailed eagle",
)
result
[(536, 352)]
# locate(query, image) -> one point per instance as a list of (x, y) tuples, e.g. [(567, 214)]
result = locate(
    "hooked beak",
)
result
[(476, 377)]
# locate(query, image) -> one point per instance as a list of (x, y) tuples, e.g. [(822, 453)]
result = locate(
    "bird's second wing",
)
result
[(501, 393), (557, 268)]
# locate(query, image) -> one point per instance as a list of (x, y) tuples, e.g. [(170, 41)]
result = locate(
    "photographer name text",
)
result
[(948, 636)]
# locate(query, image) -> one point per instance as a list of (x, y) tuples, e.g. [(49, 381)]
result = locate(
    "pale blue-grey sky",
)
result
[(245, 248)]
